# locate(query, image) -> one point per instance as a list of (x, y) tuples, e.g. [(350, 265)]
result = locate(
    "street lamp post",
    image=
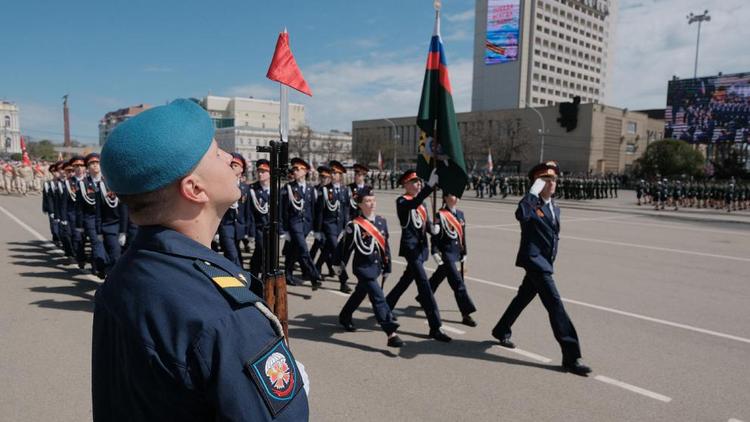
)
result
[(395, 137), (700, 19), (542, 131)]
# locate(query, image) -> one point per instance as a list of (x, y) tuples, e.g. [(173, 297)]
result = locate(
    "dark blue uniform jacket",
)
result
[(539, 234), (414, 243), (169, 344), (366, 266)]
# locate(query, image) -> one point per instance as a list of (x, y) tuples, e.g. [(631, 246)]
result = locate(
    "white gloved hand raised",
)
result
[(438, 260), (434, 179), (537, 186), (121, 239), (436, 229)]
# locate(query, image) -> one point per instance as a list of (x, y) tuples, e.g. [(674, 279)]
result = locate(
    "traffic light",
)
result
[(569, 114)]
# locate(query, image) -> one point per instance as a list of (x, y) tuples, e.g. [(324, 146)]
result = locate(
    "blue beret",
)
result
[(156, 147)]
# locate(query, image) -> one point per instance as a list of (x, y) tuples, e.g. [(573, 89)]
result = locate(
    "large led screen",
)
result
[(501, 45)]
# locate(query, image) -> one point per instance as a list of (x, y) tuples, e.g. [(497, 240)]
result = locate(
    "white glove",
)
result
[(464, 258), (64, 223), (433, 180), (251, 242), (305, 378), (318, 236), (216, 238), (121, 239), (537, 186), (435, 229), (284, 237), (246, 237), (52, 215), (438, 260), (337, 269)]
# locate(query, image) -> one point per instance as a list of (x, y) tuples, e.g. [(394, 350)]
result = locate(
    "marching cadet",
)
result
[(448, 250), (88, 214), (75, 171), (297, 213), (114, 217), (360, 172), (324, 178), (260, 193), (236, 224), (331, 216), (177, 334), (639, 191), (48, 203), (367, 237), (414, 220), (539, 218)]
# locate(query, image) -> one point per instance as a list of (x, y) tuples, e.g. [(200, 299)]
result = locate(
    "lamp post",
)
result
[(700, 19), (395, 138), (542, 131)]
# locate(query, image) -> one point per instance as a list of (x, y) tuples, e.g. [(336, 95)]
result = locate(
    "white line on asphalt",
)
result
[(450, 329), (635, 245), (633, 388), (24, 225), (610, 310), (734, 420), (338, 293), (685, 227), (527, 354)]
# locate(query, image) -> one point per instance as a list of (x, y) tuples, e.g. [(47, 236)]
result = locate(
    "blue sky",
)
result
[(362, 59)]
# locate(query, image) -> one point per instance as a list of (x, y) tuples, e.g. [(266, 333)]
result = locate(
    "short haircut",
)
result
[(151, 208)]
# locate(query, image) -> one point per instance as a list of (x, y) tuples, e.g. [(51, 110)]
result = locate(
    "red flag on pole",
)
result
[(380, 161), (26, 160), (284, 68)]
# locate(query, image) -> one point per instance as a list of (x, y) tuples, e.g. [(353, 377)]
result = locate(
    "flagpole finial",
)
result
[(437, 4)]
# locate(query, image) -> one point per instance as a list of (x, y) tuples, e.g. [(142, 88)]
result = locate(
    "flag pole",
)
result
[(436, 4)]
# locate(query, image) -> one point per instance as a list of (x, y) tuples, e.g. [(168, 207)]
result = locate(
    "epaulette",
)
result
[(236, 289)]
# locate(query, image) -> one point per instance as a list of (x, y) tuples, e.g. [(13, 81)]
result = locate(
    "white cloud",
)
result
[(655, 42), (465, 16)]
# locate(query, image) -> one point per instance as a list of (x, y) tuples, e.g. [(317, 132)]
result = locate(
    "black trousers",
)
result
[(415, 272), (371, 288), (296, 250), (542, 284), (449, 270)]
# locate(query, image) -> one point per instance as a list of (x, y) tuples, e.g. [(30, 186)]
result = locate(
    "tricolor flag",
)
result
[(490, 164), (380, 161), (437, 120)]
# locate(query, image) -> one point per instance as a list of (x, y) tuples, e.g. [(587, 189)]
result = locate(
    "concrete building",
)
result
[(563, 50), (315, 147), (114, 118), (243, 112), (10, 129), (606, 139)]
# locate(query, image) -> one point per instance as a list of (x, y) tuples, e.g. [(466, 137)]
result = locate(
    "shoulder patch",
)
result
[(276, 375), (233, 288)]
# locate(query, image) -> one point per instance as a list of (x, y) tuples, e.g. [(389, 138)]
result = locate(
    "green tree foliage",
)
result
[(670, 158), (42, 150)]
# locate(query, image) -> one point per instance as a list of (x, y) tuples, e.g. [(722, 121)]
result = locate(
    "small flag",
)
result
[(437, 120), (490, 164), (284, 69), (26, 160), (380, 161)]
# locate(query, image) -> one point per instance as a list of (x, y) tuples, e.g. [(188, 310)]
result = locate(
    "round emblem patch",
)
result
[(277, 371)]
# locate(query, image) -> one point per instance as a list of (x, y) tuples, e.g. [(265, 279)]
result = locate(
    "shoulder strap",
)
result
[(234, 288)]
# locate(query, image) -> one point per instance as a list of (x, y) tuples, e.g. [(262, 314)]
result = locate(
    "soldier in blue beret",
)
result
[(540, 233), (177, 333), (366, 236)]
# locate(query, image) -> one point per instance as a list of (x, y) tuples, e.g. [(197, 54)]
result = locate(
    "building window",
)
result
[(632, 127), (7, 121), (7, 143), (630, 149)]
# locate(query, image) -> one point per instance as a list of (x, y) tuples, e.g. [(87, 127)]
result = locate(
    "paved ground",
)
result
[(660, 301)]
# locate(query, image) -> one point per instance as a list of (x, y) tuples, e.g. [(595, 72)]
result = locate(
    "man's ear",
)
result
[(192, 189)]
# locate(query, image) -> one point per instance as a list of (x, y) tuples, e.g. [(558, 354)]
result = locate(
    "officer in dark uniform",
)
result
[(324, 178), (367, 237), (260, 193), (177, 333), (73, 241), (236, 224), (89, 216), (48, 203), (448, 251), (332, 214), (415, 223), (298, 215), (114, 218), (360, 172), (540, 227)]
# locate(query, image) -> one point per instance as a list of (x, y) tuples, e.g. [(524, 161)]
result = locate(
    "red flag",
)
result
[(380, 161), (26, 160), (284, 68)]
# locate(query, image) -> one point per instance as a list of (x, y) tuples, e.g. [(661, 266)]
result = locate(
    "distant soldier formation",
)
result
[(568, 187), (665, 194), (23, 178)]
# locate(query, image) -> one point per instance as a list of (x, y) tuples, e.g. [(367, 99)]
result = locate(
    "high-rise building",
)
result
[(114, 118), (250, 112), (10, 130), (542, 52)]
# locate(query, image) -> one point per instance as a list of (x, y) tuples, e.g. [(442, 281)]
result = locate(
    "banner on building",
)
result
[(503, 23)]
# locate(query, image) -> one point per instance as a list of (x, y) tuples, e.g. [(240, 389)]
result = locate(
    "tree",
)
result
[(299, 141), (506, 139), (669, 158), (43, 150)]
